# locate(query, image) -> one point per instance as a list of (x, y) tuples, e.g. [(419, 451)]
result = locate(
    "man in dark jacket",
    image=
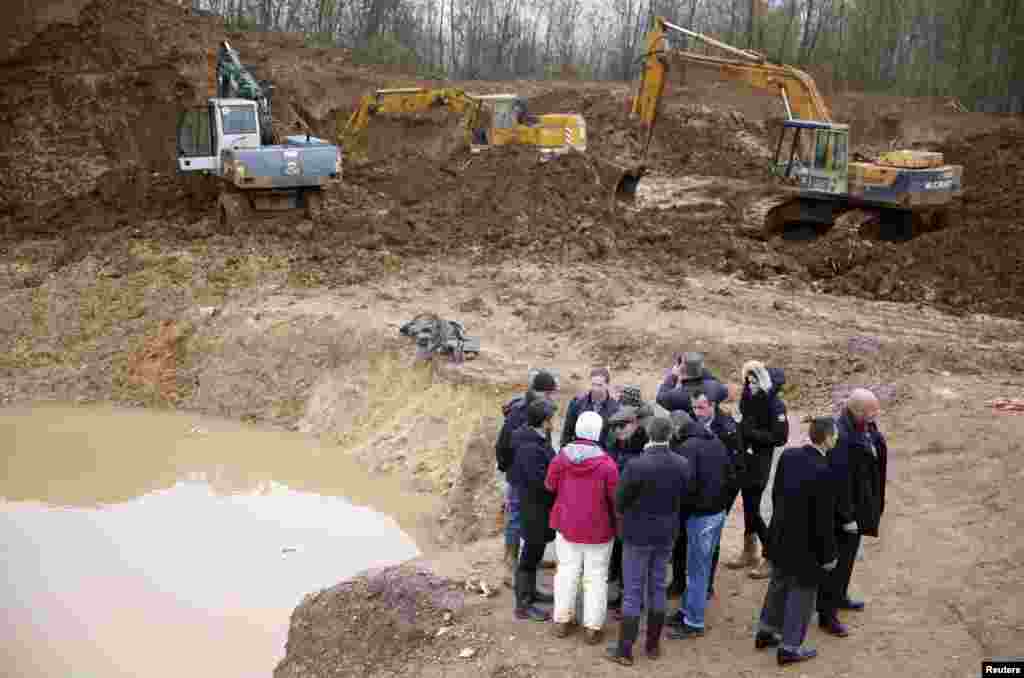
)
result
[(687, 375), (713, 467), (532, 455), (726, 430), (541, 384), (626, 440), (858, 467), (803, 546), (597, 399), (763, 427), (651, 493)]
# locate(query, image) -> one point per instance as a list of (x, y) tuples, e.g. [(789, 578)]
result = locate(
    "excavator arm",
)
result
[(233, 80), (351, 131), (797, 89)]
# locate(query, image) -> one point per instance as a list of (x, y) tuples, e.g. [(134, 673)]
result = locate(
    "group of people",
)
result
[(633, 488)]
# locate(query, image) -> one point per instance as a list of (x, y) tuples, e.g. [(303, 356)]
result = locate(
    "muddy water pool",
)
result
[(142, 543)]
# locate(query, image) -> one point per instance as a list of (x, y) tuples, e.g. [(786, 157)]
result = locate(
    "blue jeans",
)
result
[(703, 534), (644, 575), (513, 523)]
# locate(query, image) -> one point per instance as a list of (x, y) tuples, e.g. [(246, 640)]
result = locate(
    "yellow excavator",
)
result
[(903, 192), (487, 120)]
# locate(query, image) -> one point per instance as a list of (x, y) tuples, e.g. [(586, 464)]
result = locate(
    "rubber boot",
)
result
[(526, 585), (622, 651), (655, 623), (749, 556)]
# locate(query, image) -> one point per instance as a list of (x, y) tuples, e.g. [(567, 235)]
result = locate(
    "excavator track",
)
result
[(800, 217), (764, 216)]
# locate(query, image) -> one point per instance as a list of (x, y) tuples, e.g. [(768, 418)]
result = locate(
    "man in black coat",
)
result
[(533, 453), (713, 466), (858, 465), (650, 496), (763, 427), (626, 440), (542, 384), (803, 547)]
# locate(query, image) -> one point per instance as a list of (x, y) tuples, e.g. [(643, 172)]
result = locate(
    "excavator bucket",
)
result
[(627, 182)]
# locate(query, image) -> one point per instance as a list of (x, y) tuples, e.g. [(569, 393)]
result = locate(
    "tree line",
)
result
[(969, 50)]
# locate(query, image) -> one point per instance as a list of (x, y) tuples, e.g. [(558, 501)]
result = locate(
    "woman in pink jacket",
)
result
[(583, 478)]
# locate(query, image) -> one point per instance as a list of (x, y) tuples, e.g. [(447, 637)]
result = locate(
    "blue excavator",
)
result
[(232, 139)]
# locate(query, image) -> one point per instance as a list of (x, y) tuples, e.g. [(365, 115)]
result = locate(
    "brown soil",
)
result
[(295, 324)]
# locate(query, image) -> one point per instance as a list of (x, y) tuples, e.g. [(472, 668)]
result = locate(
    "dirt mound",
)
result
[(500, 200), (974, 265), (474, 504), (377, 621), (83, 98), (689, 138)]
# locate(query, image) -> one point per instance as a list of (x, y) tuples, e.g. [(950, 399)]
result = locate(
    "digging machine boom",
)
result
[(352, 137), (797, 89), (234, 81)]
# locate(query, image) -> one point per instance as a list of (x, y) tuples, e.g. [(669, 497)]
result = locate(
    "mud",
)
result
[(117, 519)]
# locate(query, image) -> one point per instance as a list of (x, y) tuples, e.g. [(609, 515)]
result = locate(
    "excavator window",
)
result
[(194, 135), (840, 157), (823, 150), (238, 119)]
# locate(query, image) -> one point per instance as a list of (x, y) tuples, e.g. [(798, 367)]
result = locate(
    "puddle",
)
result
[(140, 543)]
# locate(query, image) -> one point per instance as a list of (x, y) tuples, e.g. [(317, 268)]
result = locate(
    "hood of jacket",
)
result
[(776, 374), (583, 456)]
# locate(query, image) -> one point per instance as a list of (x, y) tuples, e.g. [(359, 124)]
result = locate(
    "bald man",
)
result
[(857, 465)]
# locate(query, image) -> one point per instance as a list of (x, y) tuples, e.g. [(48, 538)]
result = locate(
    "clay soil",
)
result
[(117, 286)]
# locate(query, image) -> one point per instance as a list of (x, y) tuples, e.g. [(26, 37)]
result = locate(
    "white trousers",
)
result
[(592, 560)]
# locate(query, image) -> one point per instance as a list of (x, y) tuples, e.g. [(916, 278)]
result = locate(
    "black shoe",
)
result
[(851, 604), (622, 651), (614, 654), (764, 639), (532, 613), (675, 619), (684, 631), (543, 597), (615, 603), (787, 657), (833, 627), (655, 623)]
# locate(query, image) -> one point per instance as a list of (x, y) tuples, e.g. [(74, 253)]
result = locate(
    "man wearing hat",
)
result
[(627, 437), (687, 375)]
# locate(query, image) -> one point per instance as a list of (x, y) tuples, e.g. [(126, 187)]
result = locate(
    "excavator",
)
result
[(901, 193), (232, 139), (487, 120)]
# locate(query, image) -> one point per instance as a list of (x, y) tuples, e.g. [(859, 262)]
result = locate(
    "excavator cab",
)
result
[(816, 155)]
